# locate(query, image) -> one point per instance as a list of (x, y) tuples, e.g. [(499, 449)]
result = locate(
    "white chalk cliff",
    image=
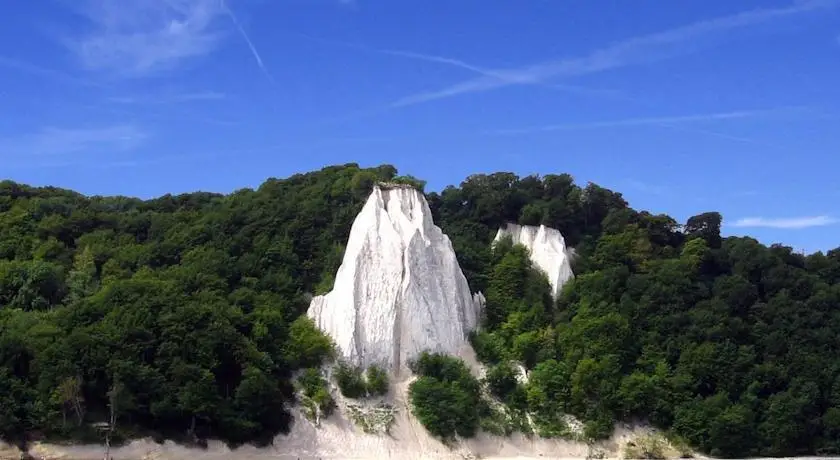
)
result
[(399, 290), (548, 251)]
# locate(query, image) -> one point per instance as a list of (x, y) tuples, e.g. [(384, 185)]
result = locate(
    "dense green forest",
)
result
[(181, 316)]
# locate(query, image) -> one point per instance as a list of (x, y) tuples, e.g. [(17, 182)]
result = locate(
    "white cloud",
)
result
[(52, 141), (134, 37), (633, 51), (787, 223)]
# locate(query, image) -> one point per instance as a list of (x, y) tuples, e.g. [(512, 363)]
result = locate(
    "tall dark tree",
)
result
[(706, 226)]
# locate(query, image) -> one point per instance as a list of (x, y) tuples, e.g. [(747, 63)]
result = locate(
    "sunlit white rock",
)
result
[(399, 290), (548, 251)]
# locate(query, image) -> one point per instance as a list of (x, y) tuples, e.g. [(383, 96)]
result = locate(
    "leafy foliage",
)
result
[(350, 381), (647, 447), (318, 403), (501, 381), (193, 303), (377, 381), (446, 398), (410, 180), (725, 342), (353, 383)]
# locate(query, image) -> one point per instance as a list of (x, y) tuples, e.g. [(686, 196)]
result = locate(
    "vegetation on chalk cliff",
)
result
[(317, 401), (650, 447), (190, 305), (353, 383), (446, 398), (377, 381), (350, 381), (374, 420), (408, 180)]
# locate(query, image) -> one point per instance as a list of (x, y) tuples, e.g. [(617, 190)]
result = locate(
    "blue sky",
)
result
[(684, 106)]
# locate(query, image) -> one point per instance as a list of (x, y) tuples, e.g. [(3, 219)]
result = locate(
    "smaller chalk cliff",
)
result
[(399, 290), (548, 251)]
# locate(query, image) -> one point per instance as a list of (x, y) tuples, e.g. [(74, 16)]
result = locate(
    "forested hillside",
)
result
[(183, 310), (182, 314), (730, 344)]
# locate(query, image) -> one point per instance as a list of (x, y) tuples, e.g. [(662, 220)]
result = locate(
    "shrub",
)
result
[(310, 381), (410, 180), (324, 401), (377, 381), (308, 346), (446, 398), (501, 381), (489, 348), (317, 399), (443, 367), (353, 384), (600, 427), (350, 381)]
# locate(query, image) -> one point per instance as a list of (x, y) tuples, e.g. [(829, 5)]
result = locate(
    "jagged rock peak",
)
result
[(548, 251), (399, 290)]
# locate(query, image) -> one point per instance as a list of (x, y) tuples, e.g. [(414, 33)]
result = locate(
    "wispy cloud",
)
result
[(787, 223), (658, 121), (137, 37), (168, 98), (247, 39), (52, 141), (511, 76), (633, 51)]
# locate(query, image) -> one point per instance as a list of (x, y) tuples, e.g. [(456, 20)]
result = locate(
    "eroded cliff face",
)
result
[(399, 290), (548, 251)]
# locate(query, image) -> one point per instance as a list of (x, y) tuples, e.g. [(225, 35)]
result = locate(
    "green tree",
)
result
[(307, 345), (445, 398), (194, 304), (705, 226)]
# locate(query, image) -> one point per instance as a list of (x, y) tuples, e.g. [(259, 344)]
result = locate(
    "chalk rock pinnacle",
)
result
[(548, 251), (399, 290)]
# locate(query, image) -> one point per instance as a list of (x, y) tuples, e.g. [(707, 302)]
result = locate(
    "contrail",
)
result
[(633, 51), (508, 76), (247, 40), (659, 121)]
